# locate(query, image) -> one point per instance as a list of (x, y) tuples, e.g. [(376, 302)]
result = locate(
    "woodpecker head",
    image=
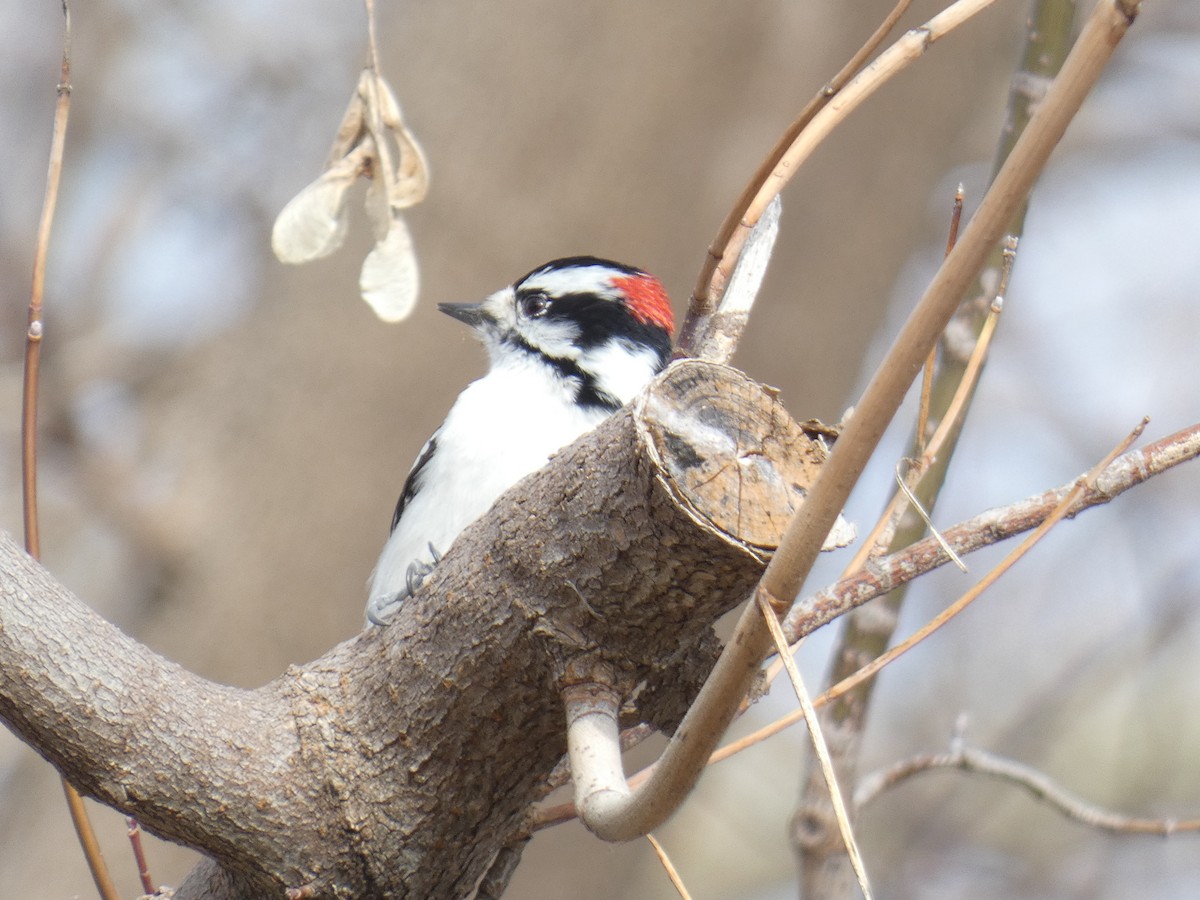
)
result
[(601, 326)]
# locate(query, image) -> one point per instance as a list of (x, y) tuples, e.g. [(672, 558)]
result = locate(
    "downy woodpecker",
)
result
[(568, 345)]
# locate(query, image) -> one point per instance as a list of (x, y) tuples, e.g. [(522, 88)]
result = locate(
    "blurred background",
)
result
[(223, 437)]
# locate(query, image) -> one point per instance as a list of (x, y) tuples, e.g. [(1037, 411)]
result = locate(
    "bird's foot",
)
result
[(382, 608)]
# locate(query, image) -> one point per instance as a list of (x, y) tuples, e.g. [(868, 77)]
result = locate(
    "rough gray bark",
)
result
[(402, 761)]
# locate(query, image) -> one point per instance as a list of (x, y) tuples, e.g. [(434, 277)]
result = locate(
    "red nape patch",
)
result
[(648, 300)]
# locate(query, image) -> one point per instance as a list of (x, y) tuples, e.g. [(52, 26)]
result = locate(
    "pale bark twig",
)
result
[(820, 748), (134, 831), (1037, 783), (669, 868)]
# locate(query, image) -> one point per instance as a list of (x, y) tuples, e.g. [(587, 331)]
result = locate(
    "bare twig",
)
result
[(672, 874), (799, 143), (35, 326), (372, 40), (726, 248), (105, 886), (139, 854), (817, 736), (34, 334), (931, 359), (1035, 782), (956, 212)]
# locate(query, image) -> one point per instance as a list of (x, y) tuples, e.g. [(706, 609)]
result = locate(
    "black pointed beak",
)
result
[(472, 314)]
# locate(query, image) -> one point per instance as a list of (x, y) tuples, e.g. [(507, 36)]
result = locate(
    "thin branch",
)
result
[(90, 844), (372, 40), (718, 264), (139, 854), (930, 361), (889, 572), (672, 874), (35, 332), (1036, 783), (820, 748), (815, 124), (35, 326)]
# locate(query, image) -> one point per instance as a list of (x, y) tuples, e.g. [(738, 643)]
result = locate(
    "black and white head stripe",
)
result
[(574, 274), (604, 300)]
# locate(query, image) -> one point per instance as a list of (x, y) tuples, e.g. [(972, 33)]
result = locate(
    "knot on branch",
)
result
[(815, 832)]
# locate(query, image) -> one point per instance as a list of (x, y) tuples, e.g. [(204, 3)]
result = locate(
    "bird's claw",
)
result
[(380, 609), (418, 571)]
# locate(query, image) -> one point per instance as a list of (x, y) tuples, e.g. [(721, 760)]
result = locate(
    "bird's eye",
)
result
[(535, 304)]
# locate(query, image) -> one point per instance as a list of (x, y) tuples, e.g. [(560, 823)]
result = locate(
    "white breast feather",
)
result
[(501, 428)]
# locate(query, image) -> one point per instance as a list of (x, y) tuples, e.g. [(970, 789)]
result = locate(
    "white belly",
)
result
[(501, 428)]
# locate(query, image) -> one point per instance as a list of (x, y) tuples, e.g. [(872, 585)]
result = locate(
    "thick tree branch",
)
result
[(401, 762), (115, 718)]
